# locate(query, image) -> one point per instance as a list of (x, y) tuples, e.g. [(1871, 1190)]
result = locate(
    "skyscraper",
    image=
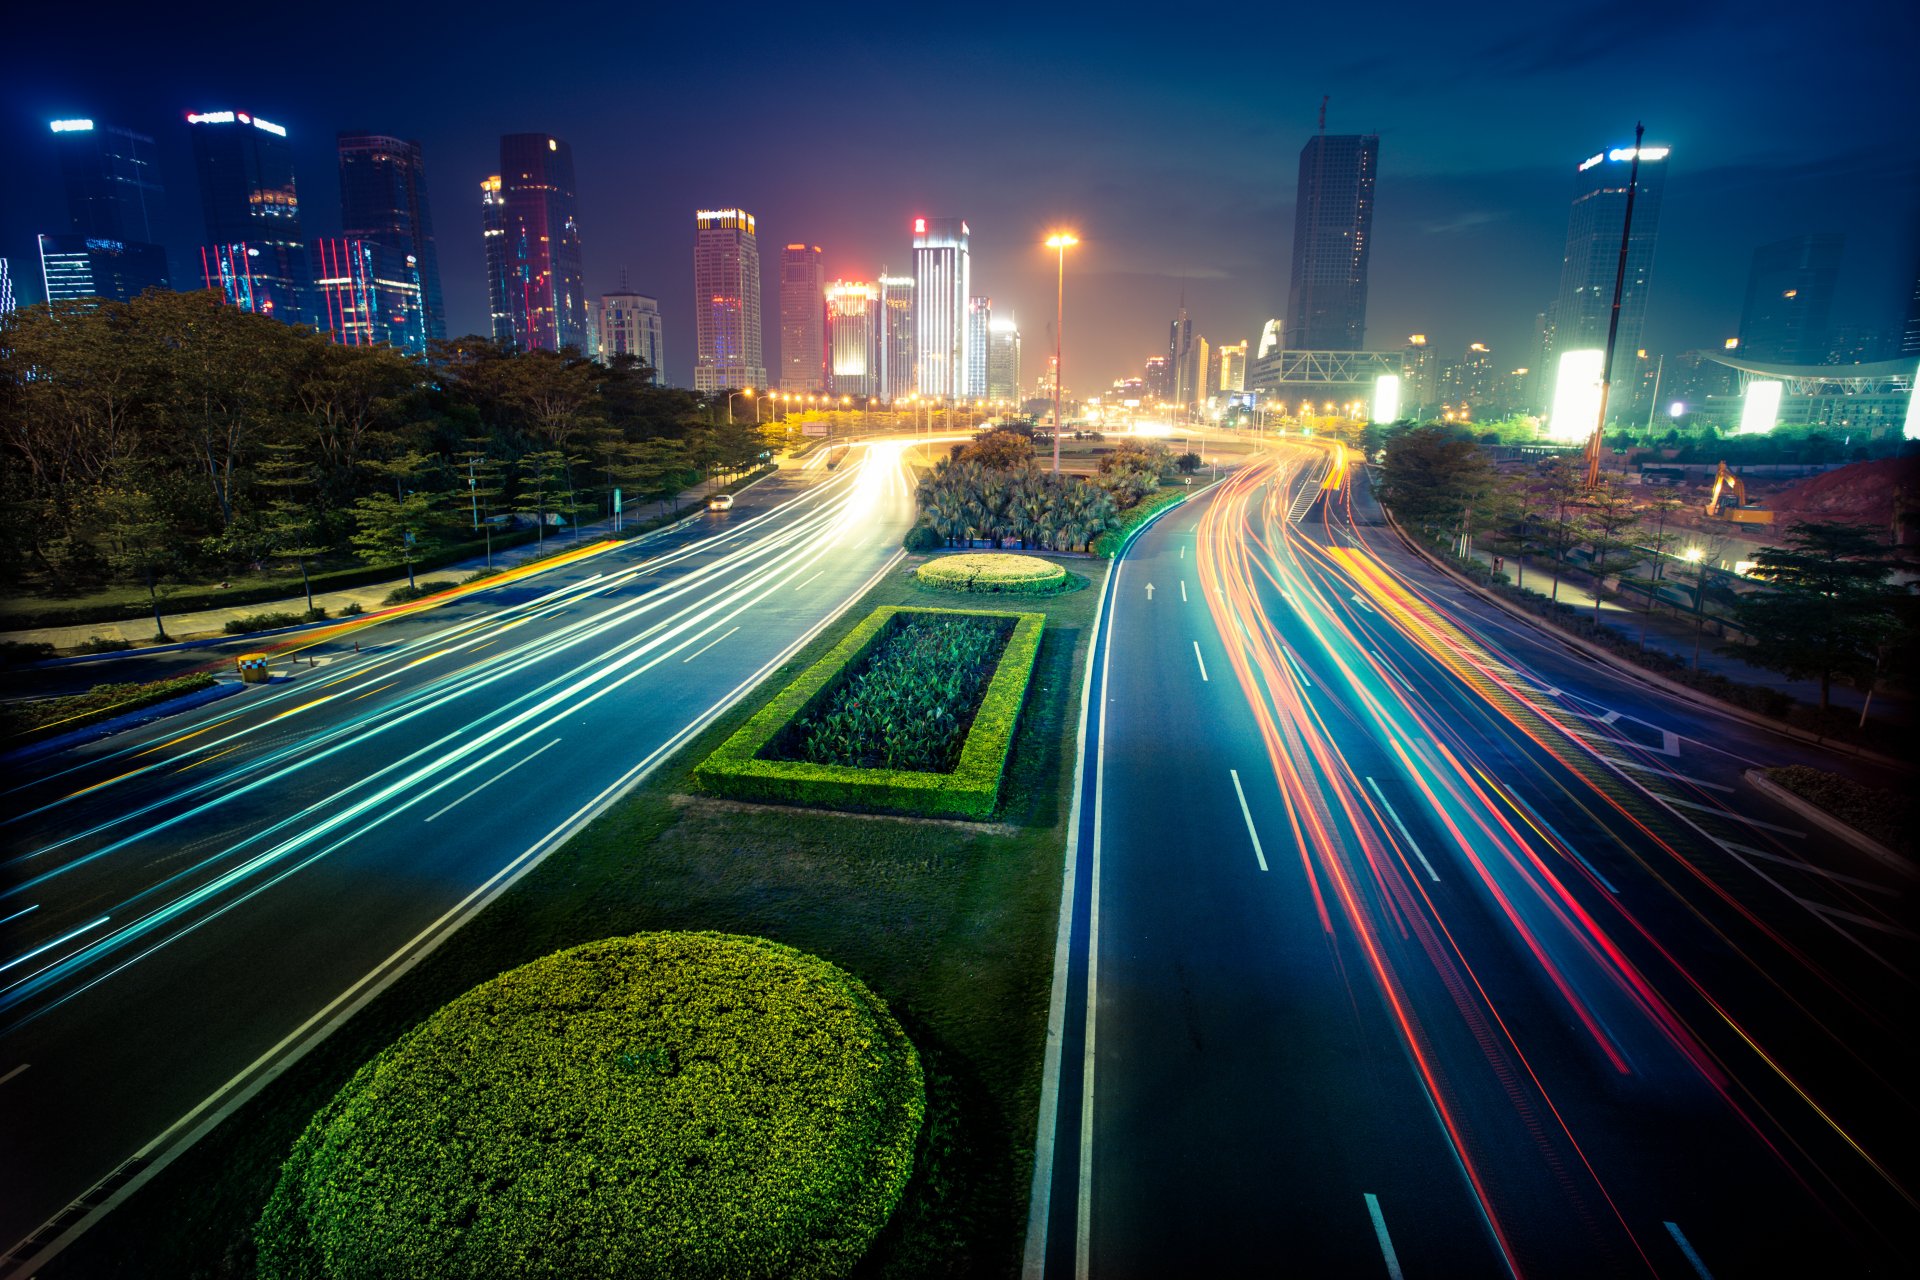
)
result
[(1003, 358), (1419, 375), (942, 276), (726, 295), (75, 267), (853, 312), (630, 326), (1789, 293), (534, 278), (366, 293), (979, 325), (896, 336), (255, 252), (1579, 316), (1180, 358), (112, 180), (1233, 367), (803, 319), (7, 299), (383, 201), (1332, 237)]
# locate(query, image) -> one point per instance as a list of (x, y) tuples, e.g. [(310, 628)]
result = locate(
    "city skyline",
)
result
[(1465, 248)]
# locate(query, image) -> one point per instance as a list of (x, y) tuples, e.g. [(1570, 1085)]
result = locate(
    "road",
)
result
[(1405, 939), (189, 904)]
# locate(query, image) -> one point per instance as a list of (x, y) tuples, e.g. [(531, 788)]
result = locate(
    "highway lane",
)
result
[(188, 903), (1515, 978)]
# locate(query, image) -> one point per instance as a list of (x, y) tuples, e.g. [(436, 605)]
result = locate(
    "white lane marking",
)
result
[(490, 781), (1799, 865), (1183, 591), (1679, 1238), (1083, 1211), (1408, 835), (16, 1071), (1608, 718), (1298, 670), (1868, 921), (1718, 812), (809, 579), (1258, 853), (709, 644), (1363, 604), (1202, 661), (1381, 659), (1678, 777), (48, 946), (1386, 1241)]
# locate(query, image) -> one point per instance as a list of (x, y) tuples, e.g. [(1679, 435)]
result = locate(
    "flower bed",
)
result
[(674, 1104), (767, 759), (993, 572)]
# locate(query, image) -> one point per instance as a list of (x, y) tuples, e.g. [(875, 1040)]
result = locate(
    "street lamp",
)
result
[(1060, 241), (747, 392)]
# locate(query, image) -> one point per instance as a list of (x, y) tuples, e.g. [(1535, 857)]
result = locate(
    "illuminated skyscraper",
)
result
[(383, 201), (1003, 359), (942, 275), (726, 289), (1332, 238), (1233, 367), (114, 194), (803, 320), (535, 282), (366, 293), (75, 267), (979, 325), (897, 365), (853, 313), (1789, 293), (255, 251), (1419, 375), (7, 299), (630, 326), (1180, 358), (1579, 316)]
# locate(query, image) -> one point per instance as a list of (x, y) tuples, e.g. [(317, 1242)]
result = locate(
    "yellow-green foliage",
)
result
[(971, 790), (667, 1104), (993, 571), (102, 702)]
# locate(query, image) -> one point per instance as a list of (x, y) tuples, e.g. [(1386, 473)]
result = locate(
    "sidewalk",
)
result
[(205, 622), (1672, 635)]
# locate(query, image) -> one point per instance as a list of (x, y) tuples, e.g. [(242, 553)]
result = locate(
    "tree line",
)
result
[(173, 437), (1832, 605)]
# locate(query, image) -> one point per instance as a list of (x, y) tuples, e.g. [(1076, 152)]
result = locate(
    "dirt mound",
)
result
[(1872, 493)]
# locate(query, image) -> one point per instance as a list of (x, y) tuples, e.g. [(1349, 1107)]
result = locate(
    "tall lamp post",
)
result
[(1060, 241)]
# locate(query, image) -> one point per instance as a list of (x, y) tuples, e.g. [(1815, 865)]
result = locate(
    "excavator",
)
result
[(1725, 483)]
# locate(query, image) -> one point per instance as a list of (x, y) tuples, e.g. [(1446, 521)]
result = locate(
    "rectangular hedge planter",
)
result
[(970, 791)]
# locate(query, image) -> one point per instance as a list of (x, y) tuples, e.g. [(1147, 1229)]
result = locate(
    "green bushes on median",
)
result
[(1109, 543), (102, 702), (994, 573), (666, 1104), (745, 767)]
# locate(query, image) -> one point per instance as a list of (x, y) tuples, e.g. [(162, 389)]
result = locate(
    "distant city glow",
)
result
[(1576, 395), (1386, 398), (70, 126), (1760, 407)]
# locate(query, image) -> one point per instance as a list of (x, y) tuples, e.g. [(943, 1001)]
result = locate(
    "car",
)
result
[(720, 502)]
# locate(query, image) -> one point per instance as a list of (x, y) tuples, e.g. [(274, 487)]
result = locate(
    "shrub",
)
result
[(921, 539), (15, 653), (271, 621), (420, 591), (738, 768), (102, 644), (353, 610), (102, 702), (1109, 543), (994, 572), (481, 575), (674, 1104)]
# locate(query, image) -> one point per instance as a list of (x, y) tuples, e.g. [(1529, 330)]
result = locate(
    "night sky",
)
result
[(1168, 136)]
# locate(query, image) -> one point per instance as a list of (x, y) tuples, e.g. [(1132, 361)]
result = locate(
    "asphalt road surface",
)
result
[(187, 904), (1407, 940)]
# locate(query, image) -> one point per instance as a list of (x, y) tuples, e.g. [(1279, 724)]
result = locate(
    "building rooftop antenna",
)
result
[(1323, 111)]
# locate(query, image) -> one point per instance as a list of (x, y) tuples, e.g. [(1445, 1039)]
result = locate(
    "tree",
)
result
[(546, 489), (1829, 607), (1001, 449), (1551, 516), (395, 530), (288, 526), (1431, 478), (138, 533), (1188, 463), (1608, 532)]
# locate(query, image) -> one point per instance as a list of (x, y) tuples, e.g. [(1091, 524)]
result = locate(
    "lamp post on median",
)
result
[(1060, 241)]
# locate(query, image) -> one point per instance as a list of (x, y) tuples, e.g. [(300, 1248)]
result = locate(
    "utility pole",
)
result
[(1613, 320)]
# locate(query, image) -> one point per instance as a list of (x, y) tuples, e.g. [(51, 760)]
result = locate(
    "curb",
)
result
[(1827, 822), (132, 719), (1626, 668)]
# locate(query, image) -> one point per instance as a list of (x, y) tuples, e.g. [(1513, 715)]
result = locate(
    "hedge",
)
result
[(102, 702), (667, 1104), (971, 791), (993, 573), (1879, 814), (1109, 543)]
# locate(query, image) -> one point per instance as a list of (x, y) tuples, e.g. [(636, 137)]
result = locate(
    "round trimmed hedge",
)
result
[(668, 1104), (997, 572)]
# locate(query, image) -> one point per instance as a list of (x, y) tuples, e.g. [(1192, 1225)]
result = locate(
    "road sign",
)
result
[(616, 502), (813, 428)]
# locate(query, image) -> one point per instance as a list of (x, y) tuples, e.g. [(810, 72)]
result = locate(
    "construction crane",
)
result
[(1725, 482)]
